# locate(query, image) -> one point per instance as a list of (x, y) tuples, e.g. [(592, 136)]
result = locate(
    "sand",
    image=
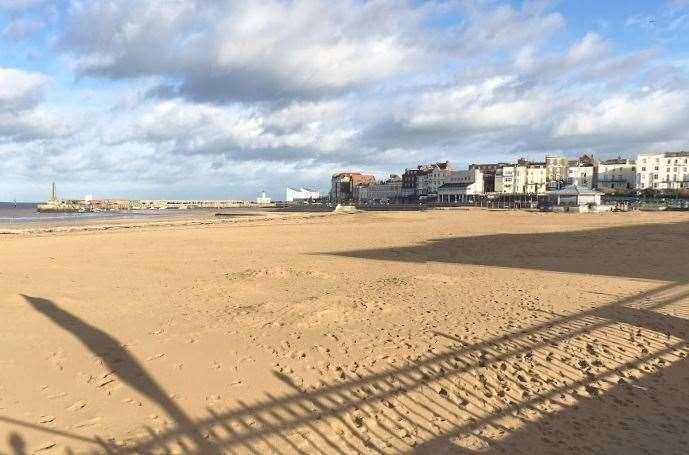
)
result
[(456, 331)]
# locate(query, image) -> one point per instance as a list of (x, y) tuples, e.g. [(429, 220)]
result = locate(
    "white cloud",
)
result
[(220, 51), (198, 97), (647, 116), (22, 117), (504, 27), (20, 89)]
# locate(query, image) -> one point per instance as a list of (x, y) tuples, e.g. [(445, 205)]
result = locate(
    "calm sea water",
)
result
[(25, 213)]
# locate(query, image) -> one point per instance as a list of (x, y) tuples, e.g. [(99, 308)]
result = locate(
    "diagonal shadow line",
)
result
[(556, 251), (52, 431), (97, 342), (553, 393), (475, 424), (405, 371), (121, 362), (650, 320)]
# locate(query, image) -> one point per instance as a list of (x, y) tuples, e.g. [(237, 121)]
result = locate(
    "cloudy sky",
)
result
[(221, 99)]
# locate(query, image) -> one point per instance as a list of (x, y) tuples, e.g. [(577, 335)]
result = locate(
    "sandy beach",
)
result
[(443, 331)]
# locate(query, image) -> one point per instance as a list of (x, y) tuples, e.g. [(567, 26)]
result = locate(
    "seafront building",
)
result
[(665, 171), (440, 182), (301, 194), (556, 171), (343, 185), (263, 198), (616, 174), (410, 180), (522, 178), (460, 186), (433, 177), (575, 198), (386, 191), (488, 171)]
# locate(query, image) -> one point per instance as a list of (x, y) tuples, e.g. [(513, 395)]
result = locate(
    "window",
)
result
[(643, 169)]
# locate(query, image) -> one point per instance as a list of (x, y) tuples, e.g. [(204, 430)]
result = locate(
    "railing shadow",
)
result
[(497, 394), (647, 251), (528, 390)]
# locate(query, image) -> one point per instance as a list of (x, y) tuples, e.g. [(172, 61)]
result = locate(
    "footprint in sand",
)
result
[(132, 401), (78, 405), (87, 423)]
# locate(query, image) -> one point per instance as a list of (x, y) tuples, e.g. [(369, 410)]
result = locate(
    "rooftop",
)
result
[(573, 190), (676, 154), (618, 161), (301, 189), (457, 185)]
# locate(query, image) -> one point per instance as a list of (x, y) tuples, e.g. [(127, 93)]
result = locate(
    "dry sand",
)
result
[(466, 331)]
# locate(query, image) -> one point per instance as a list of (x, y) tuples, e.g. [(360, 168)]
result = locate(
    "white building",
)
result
[(581, 175), (521, 179), (665, 171), (301, 194), (616, 174), (576, 198), (433, 177), (386, 191), (460, 185), (536, 179), (263, 198), (556, 170)]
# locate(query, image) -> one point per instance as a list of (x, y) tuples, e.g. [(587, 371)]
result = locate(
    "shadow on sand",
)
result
[(650, 251), (610, 380), (121, 363)]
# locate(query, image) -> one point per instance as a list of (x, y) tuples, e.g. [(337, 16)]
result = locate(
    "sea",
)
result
[(25, 213)]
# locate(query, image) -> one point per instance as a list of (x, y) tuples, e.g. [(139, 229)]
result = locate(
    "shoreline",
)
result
[(128, 224), (217, 219)]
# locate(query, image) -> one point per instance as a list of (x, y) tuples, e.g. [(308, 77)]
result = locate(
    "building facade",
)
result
[(410, 182), (381, 192), (581, 175), (576, 197), (343, 184), (555, 171), (536, 179), (263, 198), (521, 179), (665, 171), (459, 186), (432, 177), (301, 194), (488, 171), (617, 174)]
